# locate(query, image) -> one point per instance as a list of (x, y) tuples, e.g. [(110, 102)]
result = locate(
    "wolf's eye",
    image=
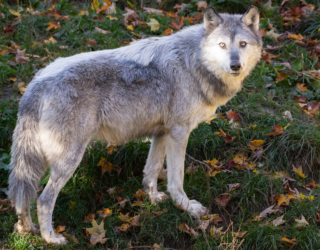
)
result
[(243, 44), (222, 45)]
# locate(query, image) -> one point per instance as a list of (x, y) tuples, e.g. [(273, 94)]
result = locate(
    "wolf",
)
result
[(161, 87)]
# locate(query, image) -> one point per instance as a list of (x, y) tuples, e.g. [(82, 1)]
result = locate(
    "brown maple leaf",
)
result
[(20, 57), (278, 130)]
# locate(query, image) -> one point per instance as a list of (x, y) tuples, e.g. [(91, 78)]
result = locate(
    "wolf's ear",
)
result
[(251, 18), (211, 19)]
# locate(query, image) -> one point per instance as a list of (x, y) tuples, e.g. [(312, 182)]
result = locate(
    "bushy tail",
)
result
[(27, 162)]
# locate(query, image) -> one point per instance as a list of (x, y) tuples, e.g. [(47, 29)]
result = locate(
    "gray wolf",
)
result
[(162, 88)]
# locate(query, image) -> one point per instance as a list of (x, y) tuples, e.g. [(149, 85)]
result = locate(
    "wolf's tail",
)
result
[(27, 162)]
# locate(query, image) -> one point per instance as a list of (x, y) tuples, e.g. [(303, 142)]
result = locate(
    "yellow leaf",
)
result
[(214, 173), (106, 212), (212, 162), (256, 145), (15, 13), (298, 171), (286, 126), (21, 87), (84, 12), (95, 4), (251, 165), (72, 205), (130, 4), (111, 17), (96, 229), (50, 40), (255, 171), (129, 27), (302, 222), (53, 25), (154, 24), (212, 117)]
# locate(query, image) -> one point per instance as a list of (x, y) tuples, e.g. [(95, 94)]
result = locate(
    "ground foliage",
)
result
[(254, 164)]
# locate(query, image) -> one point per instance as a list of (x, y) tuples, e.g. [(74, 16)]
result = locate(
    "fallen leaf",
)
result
[(72, 205), (177, 26), (215, 231), (296, 37), (298, 171), (167, 32), (302, 222), (240, 234), (154, 24), (112, 18), (124, 227), (185, 228), (95, 4), (101, 31), (96, 229), (50, 40), (153, 11), (301, 87), (63, 47), (111, 190), (233, 187), (22, 88), (278, 221), (228, 139), (272, 34), (84, 12), (278, 130), (293, 241), (223, 199), (256, 145), (240, 158), (130, 27), (281, 76), (270, 210), (125, 217), (98, 239), (106, 212), (20, 57), (53, 25), (284, 199), (13, 12), (105, 165), (234, 116), (89, 217), (59, 229)]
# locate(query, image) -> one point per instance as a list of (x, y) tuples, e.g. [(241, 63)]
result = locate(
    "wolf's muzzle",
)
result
[(235, 65)]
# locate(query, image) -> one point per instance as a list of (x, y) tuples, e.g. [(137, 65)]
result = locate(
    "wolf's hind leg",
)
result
[(24, 225), (61, 170), (152, 169), (176, 143)]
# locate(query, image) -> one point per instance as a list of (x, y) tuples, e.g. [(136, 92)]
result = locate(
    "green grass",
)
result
[(260, 107)]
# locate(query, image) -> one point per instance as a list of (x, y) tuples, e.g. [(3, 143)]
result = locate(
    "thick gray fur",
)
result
[(159, 87)]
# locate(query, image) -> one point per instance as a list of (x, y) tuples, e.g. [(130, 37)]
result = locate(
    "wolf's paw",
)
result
[(56, 240), (196, 210), (157, 197), (26, 229)]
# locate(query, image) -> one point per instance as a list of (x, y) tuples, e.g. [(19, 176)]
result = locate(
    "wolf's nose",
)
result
[(235, 65)]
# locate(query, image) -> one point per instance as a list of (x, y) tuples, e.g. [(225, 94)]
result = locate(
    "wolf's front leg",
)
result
[(152, 169), (176, 143)]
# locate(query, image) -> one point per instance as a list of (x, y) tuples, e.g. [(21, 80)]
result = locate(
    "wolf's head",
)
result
[(231, 47)]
